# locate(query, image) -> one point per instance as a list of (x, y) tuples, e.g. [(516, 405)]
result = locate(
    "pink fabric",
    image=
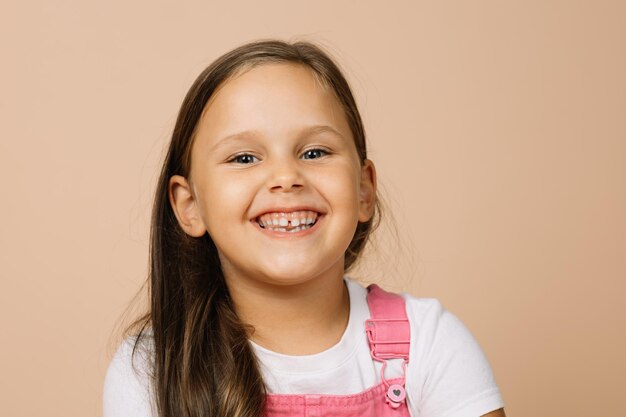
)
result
[(388, 330), (388, 334), (369, 403)]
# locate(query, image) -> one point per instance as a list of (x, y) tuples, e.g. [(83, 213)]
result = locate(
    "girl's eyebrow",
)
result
[(307, 131)]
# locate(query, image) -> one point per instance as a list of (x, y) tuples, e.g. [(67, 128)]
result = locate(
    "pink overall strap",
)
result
[(389, 334)]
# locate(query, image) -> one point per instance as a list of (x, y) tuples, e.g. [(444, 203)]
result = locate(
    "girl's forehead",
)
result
[(270, 78), (271, 96)]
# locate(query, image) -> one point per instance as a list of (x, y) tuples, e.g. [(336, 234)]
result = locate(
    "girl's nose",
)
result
[(285, 174)]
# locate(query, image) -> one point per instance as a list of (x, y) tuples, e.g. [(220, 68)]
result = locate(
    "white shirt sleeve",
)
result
[(126, 391), (448, 374)]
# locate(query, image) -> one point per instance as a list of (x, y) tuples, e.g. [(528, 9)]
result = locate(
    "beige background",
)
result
[(499, 133)]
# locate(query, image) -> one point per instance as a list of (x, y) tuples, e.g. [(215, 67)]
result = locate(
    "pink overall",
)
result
[(388, 334)]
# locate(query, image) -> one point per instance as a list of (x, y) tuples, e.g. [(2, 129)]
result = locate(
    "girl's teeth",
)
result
[(283, 223), (284, 229)]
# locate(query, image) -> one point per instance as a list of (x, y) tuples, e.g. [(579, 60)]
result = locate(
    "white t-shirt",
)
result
[(447, 376)]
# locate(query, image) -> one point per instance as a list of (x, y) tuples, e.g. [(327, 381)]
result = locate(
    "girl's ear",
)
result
[(367, 192), (185, 206)]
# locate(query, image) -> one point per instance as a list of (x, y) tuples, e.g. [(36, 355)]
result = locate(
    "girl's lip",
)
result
[(286, 235)]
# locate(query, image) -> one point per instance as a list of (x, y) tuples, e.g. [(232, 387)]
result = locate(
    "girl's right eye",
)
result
[(243, 158)]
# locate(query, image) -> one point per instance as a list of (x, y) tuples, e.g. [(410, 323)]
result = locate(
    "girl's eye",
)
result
[(314, 153), (244, 158)]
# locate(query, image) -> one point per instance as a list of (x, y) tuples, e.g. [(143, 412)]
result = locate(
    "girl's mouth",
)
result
[(289, 224)]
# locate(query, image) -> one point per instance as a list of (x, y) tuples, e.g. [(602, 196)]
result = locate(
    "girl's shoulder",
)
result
[(447, 363), (127, 384), (421, 311), (435, 330), (438, 333), (448, 372)]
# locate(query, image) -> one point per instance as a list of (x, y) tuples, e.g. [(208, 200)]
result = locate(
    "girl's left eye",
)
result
[(244, 158), (315, 153)]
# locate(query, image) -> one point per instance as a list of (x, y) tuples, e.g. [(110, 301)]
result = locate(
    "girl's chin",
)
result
[(287, 276)]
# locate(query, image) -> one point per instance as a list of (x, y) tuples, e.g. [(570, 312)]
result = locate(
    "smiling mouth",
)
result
[(288, 222)]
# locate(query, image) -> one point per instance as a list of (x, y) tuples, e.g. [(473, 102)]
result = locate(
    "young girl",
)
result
[(265, 201)]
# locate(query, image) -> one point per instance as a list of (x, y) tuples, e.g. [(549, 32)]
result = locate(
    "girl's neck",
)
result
[(301, 319)]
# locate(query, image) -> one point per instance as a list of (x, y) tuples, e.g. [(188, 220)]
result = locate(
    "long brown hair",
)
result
[(202, 363)]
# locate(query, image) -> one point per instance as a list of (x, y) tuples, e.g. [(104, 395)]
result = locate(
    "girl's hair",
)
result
[(202, 363)]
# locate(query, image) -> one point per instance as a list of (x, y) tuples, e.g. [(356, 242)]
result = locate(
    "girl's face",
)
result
[(274, 144)]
